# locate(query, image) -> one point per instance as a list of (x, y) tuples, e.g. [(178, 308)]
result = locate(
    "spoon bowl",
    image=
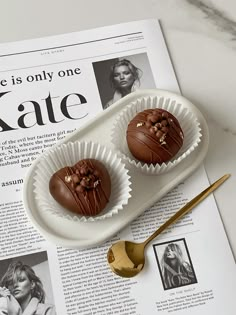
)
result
[(127, 259)]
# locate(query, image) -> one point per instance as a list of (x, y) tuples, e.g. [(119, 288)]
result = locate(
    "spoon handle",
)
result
[(189, 206)]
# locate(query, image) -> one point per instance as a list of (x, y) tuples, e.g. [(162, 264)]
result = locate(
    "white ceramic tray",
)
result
[(146, 190)]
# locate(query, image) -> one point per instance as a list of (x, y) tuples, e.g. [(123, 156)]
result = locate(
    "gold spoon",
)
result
[(127, 259)]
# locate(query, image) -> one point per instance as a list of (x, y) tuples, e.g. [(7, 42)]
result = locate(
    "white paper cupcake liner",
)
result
[(68, 155), (188, 122)]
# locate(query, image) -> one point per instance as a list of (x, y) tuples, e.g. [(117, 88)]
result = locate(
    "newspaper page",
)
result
[(48, 88)]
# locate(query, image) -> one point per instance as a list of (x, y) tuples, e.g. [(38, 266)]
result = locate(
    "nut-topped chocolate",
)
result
[(154, 136), (84, 188)]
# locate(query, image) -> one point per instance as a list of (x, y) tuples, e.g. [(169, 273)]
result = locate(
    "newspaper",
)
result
[(48, 88)]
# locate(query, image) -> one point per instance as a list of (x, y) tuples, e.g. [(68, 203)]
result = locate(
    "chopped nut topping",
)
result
[(68, 179), (163, 142), (96, 183), (139, 124), (162, 139)]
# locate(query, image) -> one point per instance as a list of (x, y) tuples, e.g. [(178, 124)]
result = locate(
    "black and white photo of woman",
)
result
[(22, 291), (124, 79), (121, 76), (176, 271), (174, 264)]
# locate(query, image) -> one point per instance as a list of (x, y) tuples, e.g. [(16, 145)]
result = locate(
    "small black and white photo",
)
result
[(118, 77), (25, 285), (174, 264)]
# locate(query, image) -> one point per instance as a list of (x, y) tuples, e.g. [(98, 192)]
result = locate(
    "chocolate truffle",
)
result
[(154, 136), (84, 188)]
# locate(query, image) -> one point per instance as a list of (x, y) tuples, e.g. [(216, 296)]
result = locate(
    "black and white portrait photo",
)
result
[(118, 77), (174, 264), (25, 286)]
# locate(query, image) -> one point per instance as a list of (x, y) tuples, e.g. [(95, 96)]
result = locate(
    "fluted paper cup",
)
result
[(187, 120), (68, 155)]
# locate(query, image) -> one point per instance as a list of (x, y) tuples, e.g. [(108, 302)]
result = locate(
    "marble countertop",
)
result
[(200, 36)]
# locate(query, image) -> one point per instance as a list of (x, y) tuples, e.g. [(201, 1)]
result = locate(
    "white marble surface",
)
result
[(201, 39)]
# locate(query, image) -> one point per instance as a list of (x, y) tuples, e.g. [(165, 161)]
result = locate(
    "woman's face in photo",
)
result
[(123, 77), (22, 286), (170, 254)]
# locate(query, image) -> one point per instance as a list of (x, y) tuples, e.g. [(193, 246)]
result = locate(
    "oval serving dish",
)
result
[(71, 234)]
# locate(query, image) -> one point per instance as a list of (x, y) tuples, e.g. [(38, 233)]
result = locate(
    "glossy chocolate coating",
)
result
[(154, 136), (84, 188)]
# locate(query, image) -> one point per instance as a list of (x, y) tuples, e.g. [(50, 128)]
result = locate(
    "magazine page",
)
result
[(48, 88)]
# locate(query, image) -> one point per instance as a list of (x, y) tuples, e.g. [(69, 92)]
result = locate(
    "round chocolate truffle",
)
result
[(154, 136), (84, 188)]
